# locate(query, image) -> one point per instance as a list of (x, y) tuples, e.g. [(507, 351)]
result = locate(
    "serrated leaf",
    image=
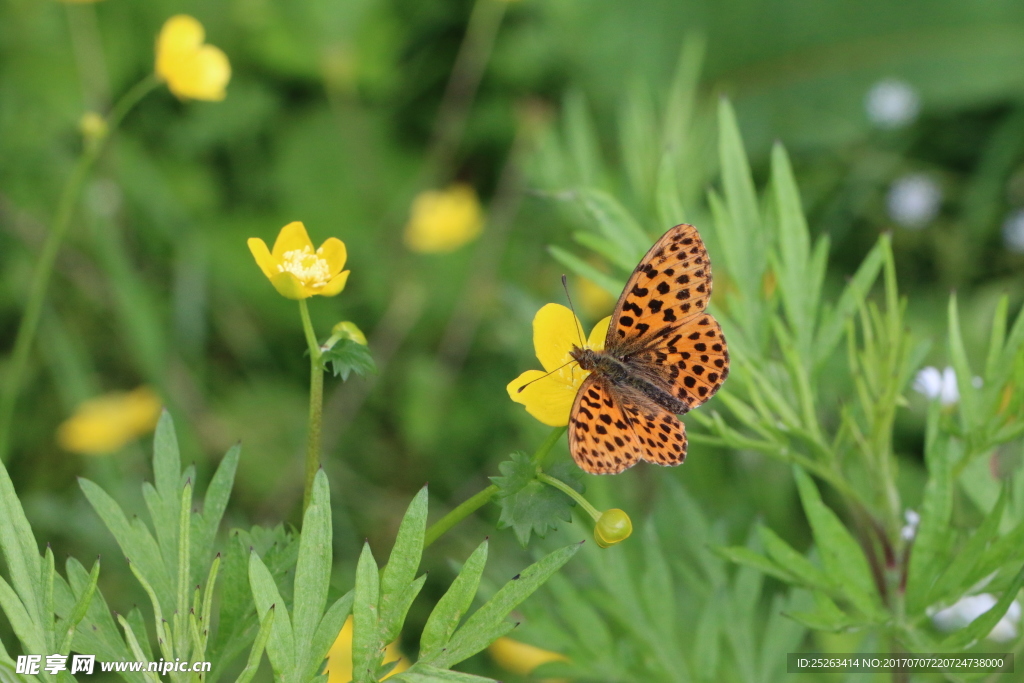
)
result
[(531, 506), (348, 356), (204, 527), (793, 562)]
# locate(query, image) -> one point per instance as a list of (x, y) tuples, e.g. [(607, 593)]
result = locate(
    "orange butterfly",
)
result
[(663, 356)]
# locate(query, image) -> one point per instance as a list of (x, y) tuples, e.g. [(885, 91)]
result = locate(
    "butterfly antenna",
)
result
[(520, 389), (579, 330)]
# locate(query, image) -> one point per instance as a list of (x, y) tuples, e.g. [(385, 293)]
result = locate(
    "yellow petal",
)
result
[(333, 251), (549, 399), (597, 335), (204, 76), (106, 423), (521, 658), (191, 69), (555, 331), (288, 286), (335, 286), (266, 262), (291, 238), (339, 658)]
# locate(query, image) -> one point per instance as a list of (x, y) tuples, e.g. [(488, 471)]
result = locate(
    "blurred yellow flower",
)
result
[(555, 332), (442, 221), (295, 269), (522, 658), (339, 659), (104, 424), (191, 69)]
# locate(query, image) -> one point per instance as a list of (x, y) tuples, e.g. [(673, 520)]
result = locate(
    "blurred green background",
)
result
[(905, 117)]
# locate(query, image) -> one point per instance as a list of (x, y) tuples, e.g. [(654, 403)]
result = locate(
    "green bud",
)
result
[(349, 330), (613, 526)]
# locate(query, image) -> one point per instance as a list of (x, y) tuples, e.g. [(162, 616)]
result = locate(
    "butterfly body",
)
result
[(663, 356)]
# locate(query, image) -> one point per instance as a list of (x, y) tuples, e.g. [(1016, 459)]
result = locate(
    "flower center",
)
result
[(304, 264)]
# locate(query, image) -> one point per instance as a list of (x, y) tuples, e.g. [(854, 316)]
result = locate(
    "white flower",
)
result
[(1013, 231), (935, 384), (892, 103), (914, 200), (908, 532), (969, 608)]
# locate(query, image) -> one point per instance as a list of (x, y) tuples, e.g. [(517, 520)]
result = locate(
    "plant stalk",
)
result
[(44, 268), (316, 405)]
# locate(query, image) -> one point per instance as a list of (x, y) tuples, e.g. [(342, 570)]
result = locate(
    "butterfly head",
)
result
[(586, 357)]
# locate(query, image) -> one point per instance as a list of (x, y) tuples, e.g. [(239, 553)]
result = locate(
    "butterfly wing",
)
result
[(659, 327), (691, 364), (602, 439), (611, 430), (671, 284), (662, 434)]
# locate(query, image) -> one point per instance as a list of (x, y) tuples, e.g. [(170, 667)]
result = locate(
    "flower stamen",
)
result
[(307, 266)]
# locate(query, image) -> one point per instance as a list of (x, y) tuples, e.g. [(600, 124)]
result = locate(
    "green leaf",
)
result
[(366, 643), (19, 547), (137, 652), (327, 632), (281, 643), (833, 322), (348, 356), (313, 570), (615, 222), (252, 664), (28, 631), (983, 625), (80, 609), (927, 553), (448, 611), (606, 248), (954, 580), (794, 245), (429, 674), (826, 617), (796, 564), (133, 538), (579, 267), (995, 342), (843, 558), (217, 494), (528, 505), (656, 588), (964, 376), (488, 623), (138, 624), (746, 557), (398, 575)]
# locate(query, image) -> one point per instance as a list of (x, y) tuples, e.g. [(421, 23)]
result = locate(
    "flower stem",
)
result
[(441, 526), (316, 405), (571, 492), (44, 268)]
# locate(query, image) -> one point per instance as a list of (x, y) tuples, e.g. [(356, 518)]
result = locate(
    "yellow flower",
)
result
[(555, 331), (191, 69), (339, 659), (521, 658), (295, 270), (613, 527), (104, 424), (443, 221)]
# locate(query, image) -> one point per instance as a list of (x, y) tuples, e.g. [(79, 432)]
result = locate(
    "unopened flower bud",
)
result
[(93, 126), (613, 527), (349, 330)]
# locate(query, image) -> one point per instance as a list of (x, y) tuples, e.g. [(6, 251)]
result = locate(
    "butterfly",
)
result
[(663, 356)]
